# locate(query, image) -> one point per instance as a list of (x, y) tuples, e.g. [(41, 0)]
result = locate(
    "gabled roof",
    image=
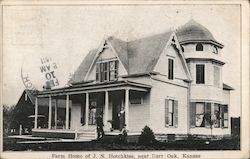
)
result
[(82, 70), (144, 53), (41, 101), (31, 97), (193, 32), (138, 56)]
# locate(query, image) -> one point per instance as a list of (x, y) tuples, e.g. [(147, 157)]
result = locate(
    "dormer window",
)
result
[(199, 47), (106, 71)]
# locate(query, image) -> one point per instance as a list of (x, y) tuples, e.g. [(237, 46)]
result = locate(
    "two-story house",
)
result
[(171, 82)]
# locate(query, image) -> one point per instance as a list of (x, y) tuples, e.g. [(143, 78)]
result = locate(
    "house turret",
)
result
[(202, 53)]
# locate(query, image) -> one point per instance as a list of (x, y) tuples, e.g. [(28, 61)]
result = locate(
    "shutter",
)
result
[(116, 69), (203, 74), (176, 113), (166, 112), (208, 115), (198, 74), (192, 114), (97, 72)]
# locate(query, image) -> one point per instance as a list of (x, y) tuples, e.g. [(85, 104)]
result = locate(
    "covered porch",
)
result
[(83, 102)]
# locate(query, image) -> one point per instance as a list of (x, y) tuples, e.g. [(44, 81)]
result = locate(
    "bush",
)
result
[(147, 136)]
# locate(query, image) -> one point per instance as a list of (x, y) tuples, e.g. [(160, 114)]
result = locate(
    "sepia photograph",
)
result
[(123, 80)]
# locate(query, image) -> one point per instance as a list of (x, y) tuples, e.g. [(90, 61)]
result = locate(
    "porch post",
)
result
[(50, 110), (67, 111), (127, 108), (36, 113), (55, 113), (87, 109), (106, 108)]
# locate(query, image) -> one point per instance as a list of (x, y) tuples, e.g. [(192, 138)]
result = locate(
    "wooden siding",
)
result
[(159, 93)]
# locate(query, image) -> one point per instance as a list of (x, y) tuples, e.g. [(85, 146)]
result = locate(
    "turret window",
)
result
[(199, 47), (200, 74)]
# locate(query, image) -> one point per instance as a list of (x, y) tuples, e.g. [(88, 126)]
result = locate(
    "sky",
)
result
[(65, 34)]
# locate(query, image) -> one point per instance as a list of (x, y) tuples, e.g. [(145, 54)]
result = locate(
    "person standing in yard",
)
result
[(124, 134), (99, 123)]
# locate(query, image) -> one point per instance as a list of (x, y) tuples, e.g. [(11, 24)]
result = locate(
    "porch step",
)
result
[(88, 135)]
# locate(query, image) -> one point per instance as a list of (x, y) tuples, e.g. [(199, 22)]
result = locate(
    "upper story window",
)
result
[(170, 69), (200, 74), (106, 71), (199, 47)]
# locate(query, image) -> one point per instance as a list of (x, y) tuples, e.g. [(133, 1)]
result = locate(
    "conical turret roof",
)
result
[(195, 32)]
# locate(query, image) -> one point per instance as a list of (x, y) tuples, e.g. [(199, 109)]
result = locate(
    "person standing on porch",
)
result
[(122, 118), (99, 123)]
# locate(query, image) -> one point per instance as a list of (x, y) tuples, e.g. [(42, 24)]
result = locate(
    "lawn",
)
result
[(11, 144)]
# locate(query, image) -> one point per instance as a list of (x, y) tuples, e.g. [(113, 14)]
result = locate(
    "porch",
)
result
[(82, 103)]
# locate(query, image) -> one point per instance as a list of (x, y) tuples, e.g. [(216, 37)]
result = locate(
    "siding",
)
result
[(189, 51), (162, 64), (139, 114), (75, 121), (159, 93)]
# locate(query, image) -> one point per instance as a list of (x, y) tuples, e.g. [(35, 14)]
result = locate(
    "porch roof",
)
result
[(95, 87)]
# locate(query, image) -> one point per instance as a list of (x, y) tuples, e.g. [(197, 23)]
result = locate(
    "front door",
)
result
[(92, 111), (115, 113), (118, 114)]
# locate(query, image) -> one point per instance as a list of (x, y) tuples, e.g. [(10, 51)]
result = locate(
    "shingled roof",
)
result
[(143, 52), (193, 32)]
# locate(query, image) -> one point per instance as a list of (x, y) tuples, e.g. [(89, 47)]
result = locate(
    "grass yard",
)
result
[(10, 144)]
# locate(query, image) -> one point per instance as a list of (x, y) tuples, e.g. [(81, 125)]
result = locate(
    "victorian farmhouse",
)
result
[(171, 82)]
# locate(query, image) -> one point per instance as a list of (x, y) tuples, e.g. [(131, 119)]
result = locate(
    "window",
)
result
[(200, 74), (106, 71), (199, 47), (171, 112), (216, 115), (136, 100), (224, 116), (26, 97), (112, 70), (136, 97), (200, 114), (92, 111), (170, 69), (216, 76)]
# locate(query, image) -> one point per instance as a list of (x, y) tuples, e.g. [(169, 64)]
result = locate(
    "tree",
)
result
[(211, 120), (8, 113), (147, 136)]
